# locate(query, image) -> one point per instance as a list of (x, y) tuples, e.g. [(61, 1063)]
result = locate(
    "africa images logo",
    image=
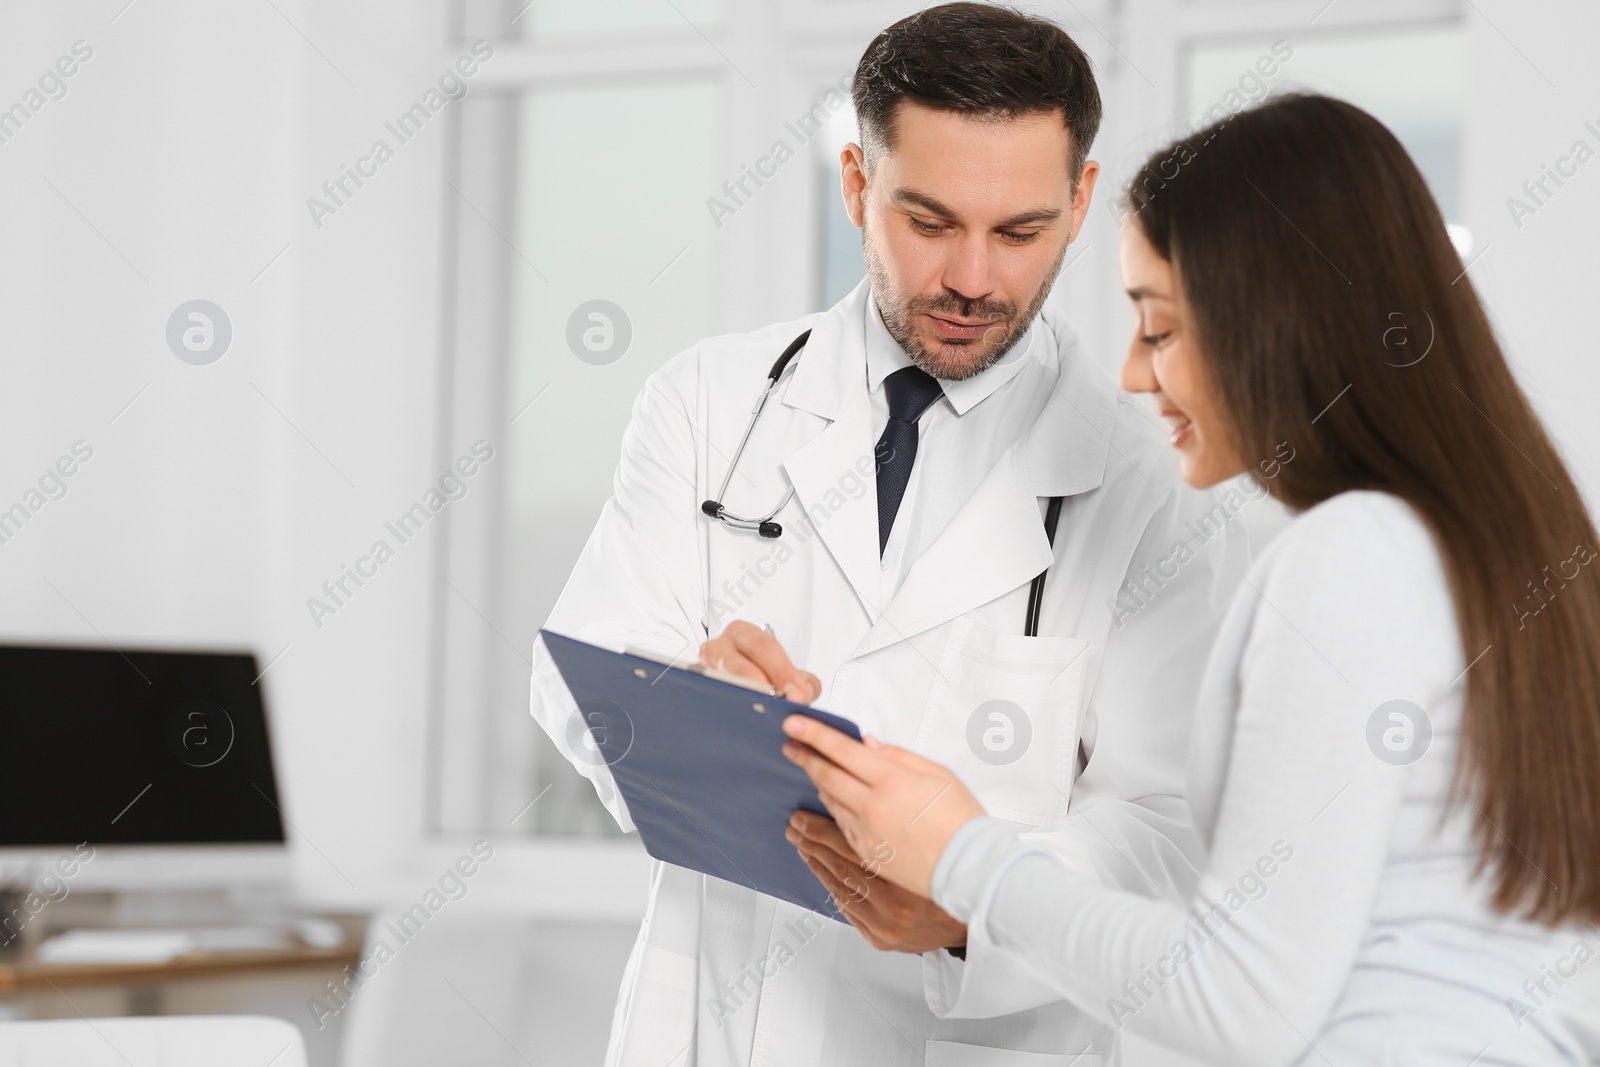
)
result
[(199, 332), (599, 332), (999, 732), (1399, 732), (200, 733), (597, 727)]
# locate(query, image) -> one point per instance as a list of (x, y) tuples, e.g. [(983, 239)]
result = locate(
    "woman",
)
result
[(1397, 757)]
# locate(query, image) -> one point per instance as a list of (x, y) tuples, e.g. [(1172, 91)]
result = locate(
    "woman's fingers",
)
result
[(841, 749), (911, 761), (837, 787)]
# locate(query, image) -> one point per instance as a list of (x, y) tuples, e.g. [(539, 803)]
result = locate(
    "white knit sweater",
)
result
[(1338, 920)]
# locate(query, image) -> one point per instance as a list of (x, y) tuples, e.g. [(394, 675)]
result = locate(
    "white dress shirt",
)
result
[(926, 509)]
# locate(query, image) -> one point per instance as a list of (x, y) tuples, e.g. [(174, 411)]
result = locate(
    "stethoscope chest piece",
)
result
[(765, 527), (761, 524)]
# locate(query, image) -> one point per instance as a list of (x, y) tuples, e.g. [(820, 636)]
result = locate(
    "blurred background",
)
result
[(286, 270)]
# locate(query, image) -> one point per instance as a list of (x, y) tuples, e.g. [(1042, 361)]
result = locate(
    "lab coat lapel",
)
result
[(829, 471), (996, 541)]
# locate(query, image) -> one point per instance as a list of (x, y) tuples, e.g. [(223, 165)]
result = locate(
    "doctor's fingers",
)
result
[(721, 654), (844, 866), (744, 647), (851, 899), (821, 833), (835, 849), (851, 902), (802, 687), (850, 886)]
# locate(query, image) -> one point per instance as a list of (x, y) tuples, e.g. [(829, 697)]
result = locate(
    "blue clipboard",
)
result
[(700, 763)]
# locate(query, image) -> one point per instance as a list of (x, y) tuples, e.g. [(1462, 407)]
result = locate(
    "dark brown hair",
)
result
[(980, 60), (1334, 313)]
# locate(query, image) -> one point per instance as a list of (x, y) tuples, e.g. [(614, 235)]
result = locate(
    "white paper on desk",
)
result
[(116, 946)]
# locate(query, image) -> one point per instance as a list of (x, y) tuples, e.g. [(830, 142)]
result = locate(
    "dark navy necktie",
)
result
[(911, 390)]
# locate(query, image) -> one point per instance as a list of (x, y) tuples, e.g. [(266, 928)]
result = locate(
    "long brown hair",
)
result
[(1335, 314)]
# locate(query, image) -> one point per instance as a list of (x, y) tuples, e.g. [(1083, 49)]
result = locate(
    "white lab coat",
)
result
[(722, 975)]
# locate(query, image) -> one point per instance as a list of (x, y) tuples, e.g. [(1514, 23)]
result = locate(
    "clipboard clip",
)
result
[(709, 672)]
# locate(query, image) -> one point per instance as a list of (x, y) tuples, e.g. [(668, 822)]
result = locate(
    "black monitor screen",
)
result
[(133, 748)]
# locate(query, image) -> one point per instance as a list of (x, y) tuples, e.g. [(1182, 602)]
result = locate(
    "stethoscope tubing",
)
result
[(713, 507), (715, 510)]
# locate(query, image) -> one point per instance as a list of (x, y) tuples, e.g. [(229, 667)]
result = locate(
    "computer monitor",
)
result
[(160, 760)]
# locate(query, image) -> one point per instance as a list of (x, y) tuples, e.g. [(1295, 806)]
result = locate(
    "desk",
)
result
[(24, 973), (277, 982)]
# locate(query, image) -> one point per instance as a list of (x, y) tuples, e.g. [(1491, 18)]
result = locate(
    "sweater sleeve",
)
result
[(1128, 825), (1351, 613)]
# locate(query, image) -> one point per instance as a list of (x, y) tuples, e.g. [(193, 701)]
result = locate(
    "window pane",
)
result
[(612, 208), (587, 18), (839, 239), (842, 262), (1410, 79)]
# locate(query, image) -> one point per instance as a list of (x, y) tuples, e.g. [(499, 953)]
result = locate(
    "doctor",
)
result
[(886, 516)]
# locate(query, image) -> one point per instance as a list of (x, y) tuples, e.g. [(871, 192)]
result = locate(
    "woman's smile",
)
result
[(1178, 425)]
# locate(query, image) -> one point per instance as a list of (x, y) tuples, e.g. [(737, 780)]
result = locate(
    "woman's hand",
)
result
[(888, 802)]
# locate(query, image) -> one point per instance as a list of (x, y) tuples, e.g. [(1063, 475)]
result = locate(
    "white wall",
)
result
[(222, 498), (180, 160)]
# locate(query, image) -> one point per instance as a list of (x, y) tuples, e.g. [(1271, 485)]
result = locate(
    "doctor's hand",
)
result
[(751, 652), (889, 802), (892, 919)]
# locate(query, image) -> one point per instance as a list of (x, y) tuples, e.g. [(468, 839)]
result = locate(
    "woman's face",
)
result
[(1164, 361)]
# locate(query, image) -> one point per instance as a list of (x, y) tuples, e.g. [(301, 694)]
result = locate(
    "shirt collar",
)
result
[(885, 356)]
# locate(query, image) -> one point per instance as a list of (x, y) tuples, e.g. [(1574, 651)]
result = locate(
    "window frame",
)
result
[(798, 47)]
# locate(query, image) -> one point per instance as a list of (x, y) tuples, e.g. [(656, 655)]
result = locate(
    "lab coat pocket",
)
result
[(954, 1054), (1003, 714), (657, 1007)]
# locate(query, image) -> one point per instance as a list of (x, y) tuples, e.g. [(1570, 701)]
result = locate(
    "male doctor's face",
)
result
[(964, 227)]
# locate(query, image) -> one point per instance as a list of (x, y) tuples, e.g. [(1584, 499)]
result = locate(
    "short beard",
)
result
[(953, 361)]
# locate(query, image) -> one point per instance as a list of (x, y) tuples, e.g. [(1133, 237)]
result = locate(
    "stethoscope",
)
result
[(763, 525), (766, 527)]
